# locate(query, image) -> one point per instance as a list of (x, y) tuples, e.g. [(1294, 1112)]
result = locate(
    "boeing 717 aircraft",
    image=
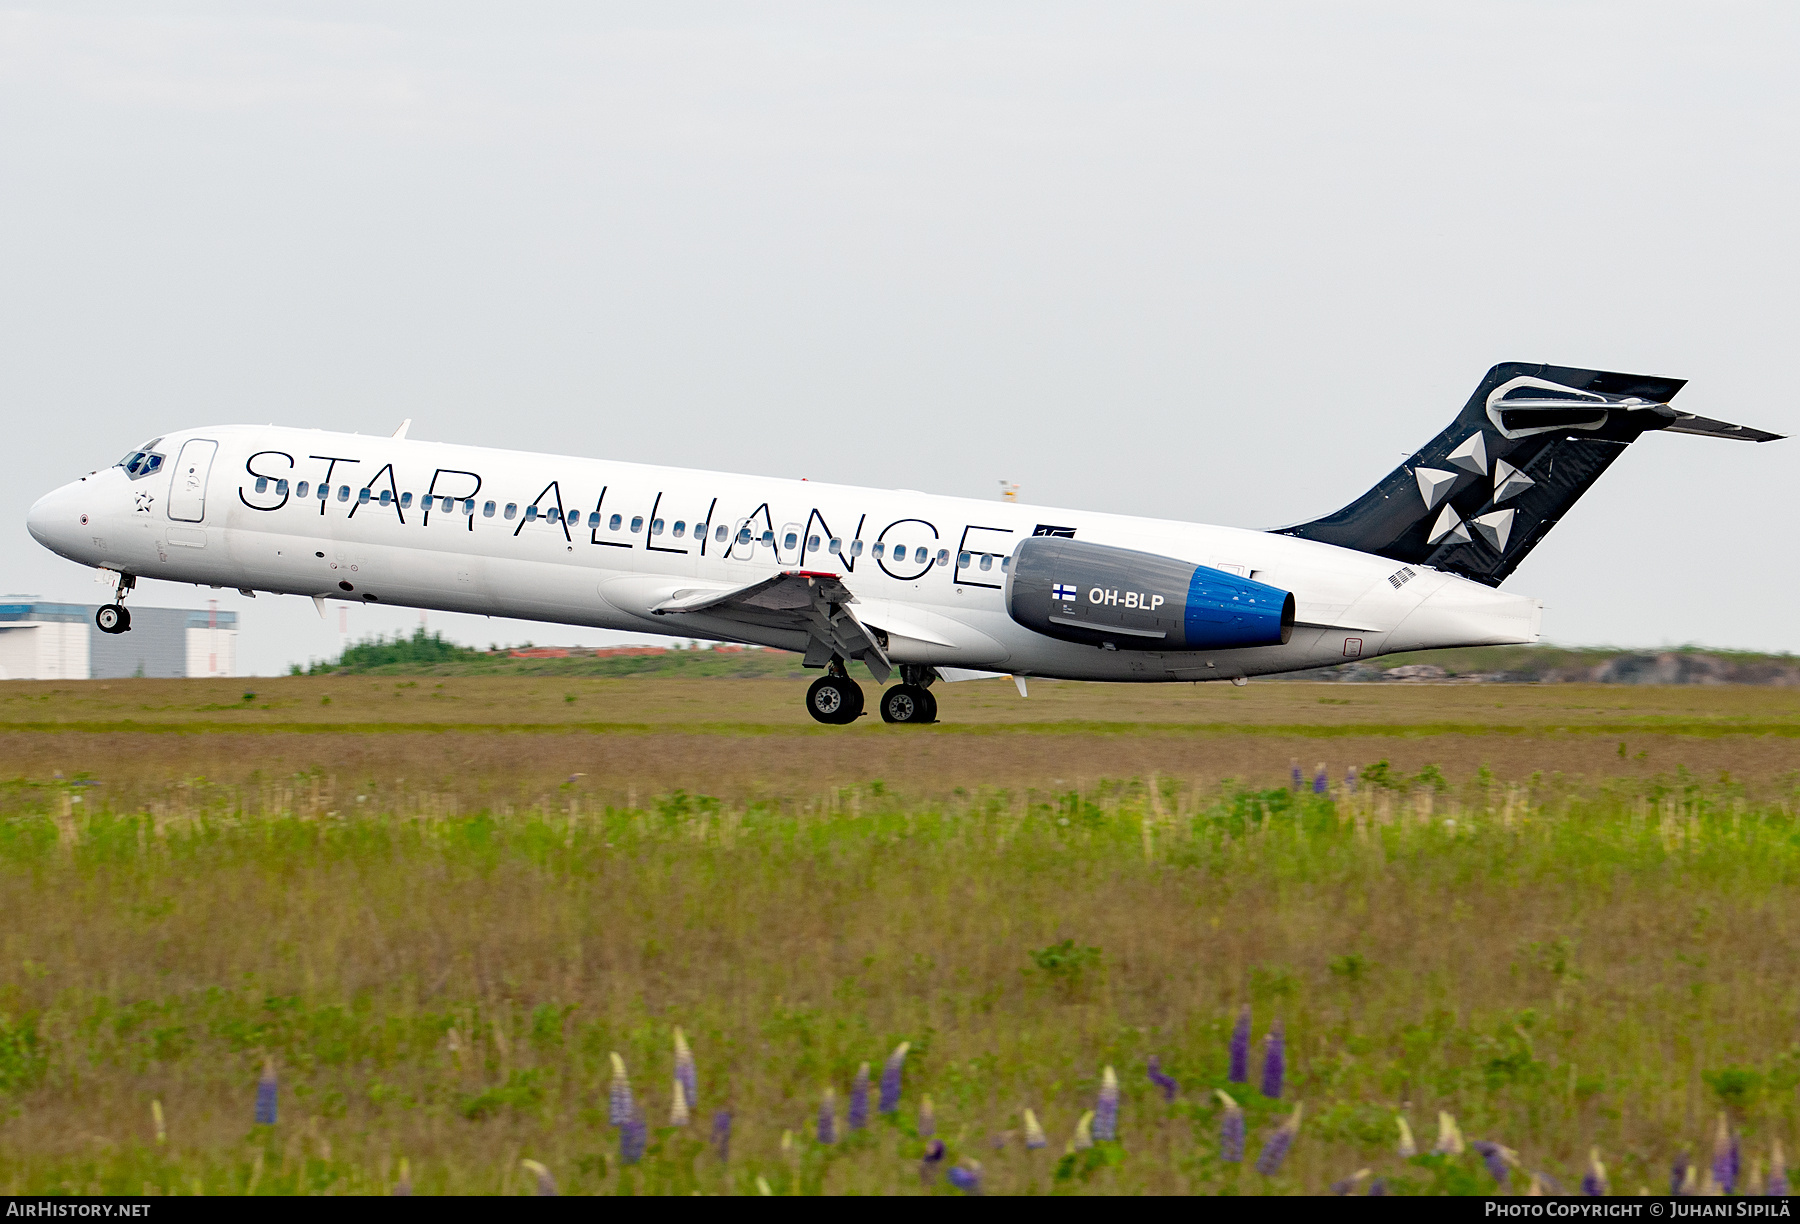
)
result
[(934, 588)]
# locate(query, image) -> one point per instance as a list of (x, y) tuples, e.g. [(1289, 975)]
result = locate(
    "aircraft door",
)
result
[(187, 496)]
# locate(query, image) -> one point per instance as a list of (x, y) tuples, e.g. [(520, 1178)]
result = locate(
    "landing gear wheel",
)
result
[(908, 703), (835, 700), (113, 618)]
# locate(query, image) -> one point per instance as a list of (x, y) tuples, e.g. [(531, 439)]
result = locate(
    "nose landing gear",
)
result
[(114, 618)]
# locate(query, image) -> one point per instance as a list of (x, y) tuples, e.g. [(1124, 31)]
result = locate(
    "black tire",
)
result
[(834, 700), (124, 619), (110, 619), (930, 705), (907, 703)]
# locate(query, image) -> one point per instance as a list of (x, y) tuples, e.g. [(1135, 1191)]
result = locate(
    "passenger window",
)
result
[(880, 549), (962, 558), (834, 546), (790, 540), (262, 484), (987, 561), (681, 529), (612, 524), (574, 517), (301, 489), (449, 504), (406, 501), (656, 526), (362, 497), (324, 491), (720, 534), (387, 497), (637, 523), (281, 488), (512, 508), (531, 514), (343, 493), (943, 557), (487, 510), (856, 548), (594, 521), (812, 542), (1005, 564)]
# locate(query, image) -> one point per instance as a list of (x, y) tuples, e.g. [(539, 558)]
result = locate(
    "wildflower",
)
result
[(156, 1116), (763, 1188), (828, 1118), (1240, 1048), (721, 1134), (1294, 773), (1231, 1130), (1593, 1182), (1450, 1137), (403, 1186), (1276, 1150), (265, 1094), (1274, 1062), (685, 1073), (1681, 1176), (1348, 1184), (1084, 1132), (1495, 1157), (889, 1101), (619, 1107), (546, 1185), (927, 1118), (934, 1156), (859, 1099), (1378, 1188), (1350, 785), (1035, 1137), (966, 1176), (634, 1134), (1106, 1109), (1407, 1148), (1727, 1157), (1778, 1178), (678, 1106), (1542, 1183), (1320, 779), (1165, 1082)]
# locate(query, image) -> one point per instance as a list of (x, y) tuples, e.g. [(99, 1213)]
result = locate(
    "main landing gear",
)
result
[(114, 618), (836, 699)]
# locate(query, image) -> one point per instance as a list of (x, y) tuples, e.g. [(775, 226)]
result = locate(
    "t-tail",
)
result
[(1530, 441)]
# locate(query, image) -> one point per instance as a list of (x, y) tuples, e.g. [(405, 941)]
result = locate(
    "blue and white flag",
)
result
[(1063, 592)]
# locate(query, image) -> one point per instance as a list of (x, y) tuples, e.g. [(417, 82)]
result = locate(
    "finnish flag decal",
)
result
[(1063, 592)]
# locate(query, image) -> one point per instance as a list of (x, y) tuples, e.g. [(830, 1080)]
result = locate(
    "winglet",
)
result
[(401, 432)]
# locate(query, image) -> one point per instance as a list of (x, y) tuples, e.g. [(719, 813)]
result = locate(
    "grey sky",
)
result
[(1220, 263)]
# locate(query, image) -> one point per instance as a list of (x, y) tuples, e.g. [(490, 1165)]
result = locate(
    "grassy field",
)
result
[(1564, 915)]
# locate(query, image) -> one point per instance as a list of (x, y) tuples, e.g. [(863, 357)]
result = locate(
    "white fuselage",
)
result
[(633, 544)]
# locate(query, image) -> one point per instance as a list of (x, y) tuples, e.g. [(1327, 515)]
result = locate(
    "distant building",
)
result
[(52, 641)]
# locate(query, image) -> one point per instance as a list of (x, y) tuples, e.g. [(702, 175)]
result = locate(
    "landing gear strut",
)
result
[(835, 698), (113, 618)]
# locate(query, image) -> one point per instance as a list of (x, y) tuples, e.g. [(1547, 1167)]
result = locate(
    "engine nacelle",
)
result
[(1130, 600)]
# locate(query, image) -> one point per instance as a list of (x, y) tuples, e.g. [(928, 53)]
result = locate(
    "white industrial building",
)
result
[(53, 641)]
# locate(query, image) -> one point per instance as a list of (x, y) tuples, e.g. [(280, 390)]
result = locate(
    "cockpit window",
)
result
[(141, 463)]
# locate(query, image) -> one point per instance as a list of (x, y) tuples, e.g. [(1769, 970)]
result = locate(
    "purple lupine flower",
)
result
[(934, 1156), (828, 1118), (1294, 770), (1344, 1186), (1106, 1108), (1035, 1137), (1678, 1175), (685, 1073), (1321, 779), (927, 1118), (889, 1100), (1378, 1188), (721, 1134), (1165, 1082), (1350, 785), (1494, 1156), (546, 1185), (1231, 1131), (619, 1106), (1240, 1048), (966, 1176), (859, 1099), (1727, 1157), (1276, 1150), (1778, 1178), (634, 1136), (1593, 1182), (266, 1093), (1274, 1062)]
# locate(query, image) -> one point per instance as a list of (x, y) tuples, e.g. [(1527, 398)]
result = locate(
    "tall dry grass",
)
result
[(442, 980)]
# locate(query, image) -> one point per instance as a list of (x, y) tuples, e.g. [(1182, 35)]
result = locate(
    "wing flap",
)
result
[(813, 603)]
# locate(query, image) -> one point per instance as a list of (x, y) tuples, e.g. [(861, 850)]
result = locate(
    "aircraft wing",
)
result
[(816, 604)]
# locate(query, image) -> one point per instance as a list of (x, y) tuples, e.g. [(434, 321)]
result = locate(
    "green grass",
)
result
[(443, 981)]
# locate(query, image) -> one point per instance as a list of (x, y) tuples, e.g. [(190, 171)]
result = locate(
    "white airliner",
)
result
[(932, 587)]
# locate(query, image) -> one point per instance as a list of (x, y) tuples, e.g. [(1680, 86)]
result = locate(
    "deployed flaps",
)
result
[(817, 604)]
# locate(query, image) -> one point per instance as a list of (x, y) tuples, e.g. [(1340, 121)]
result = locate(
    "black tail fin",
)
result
[(1530, 441)]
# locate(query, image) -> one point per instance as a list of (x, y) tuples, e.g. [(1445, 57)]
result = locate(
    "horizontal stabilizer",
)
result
[(1706, 427)]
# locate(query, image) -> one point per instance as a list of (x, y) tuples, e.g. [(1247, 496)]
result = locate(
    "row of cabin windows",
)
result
[(790, 540)]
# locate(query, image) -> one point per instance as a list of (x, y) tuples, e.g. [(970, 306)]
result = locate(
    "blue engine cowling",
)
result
[(1127, 600)]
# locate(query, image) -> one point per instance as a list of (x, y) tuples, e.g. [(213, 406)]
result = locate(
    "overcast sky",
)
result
[(1223, 263)]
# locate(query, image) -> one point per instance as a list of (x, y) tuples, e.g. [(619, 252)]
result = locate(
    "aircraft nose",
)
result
[(53, 519)]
